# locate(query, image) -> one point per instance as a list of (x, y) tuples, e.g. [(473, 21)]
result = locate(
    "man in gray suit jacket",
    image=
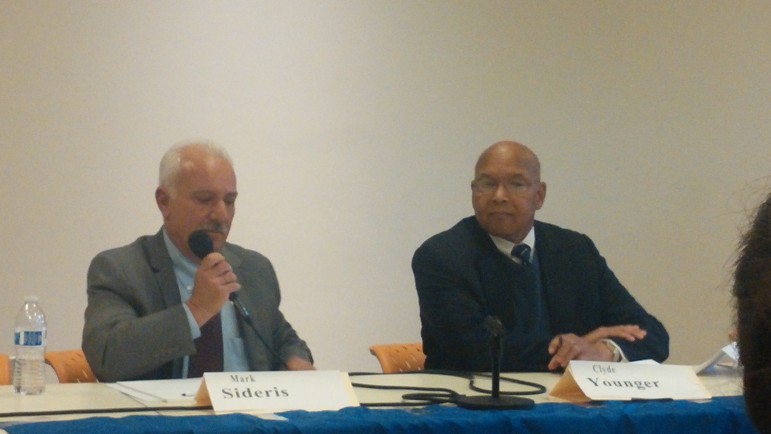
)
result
[(149, 301), (549, 287)]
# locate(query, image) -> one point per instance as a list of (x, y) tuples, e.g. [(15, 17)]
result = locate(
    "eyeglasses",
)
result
[(488, 186)]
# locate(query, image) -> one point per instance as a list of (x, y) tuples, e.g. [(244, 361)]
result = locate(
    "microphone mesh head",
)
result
[(200, 243)]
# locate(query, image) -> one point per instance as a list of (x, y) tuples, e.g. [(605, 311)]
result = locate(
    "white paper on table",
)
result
[(159, 390), (729, 352)]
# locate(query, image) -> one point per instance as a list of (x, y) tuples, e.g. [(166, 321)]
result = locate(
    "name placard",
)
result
[(270, 392), (604, 381)]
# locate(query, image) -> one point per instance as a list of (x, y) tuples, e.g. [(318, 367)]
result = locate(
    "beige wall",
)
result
[(355, 126)]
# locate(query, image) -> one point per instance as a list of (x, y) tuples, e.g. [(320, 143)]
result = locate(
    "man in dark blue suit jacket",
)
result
[(560, 302)]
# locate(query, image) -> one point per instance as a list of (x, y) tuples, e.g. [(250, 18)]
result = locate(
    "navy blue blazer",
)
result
[(462, 278)]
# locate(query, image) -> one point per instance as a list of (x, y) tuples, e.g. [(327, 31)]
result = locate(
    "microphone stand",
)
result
[(496, 356), (495, 401)]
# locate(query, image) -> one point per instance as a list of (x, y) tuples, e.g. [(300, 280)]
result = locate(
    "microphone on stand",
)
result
[(201, 244), (495, 401)]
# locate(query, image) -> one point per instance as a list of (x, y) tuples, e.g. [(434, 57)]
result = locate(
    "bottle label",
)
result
[(29, 338)]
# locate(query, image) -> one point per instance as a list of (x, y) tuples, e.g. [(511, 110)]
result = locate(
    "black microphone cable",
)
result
[(439, 395), (105, 411), (244, 314), (537, 388)]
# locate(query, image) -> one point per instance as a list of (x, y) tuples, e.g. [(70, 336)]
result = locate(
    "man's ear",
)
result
[(541, 195), (162, 199)]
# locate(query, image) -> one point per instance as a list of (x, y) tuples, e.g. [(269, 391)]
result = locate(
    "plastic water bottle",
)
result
[(30, 340)]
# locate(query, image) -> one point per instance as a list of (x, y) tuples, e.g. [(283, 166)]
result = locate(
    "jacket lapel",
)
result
[(164, 269), (498, 283), (498, 277), (555, 289)]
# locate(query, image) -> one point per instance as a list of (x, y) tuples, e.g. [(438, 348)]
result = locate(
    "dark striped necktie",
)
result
[(522, 252)]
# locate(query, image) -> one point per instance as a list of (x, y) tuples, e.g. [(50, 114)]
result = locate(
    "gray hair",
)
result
[(171, 163)]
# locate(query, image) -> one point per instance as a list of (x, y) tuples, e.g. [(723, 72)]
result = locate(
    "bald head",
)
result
[(513, 153)]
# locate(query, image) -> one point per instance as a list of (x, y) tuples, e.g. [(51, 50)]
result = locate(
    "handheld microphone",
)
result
[(201, 245)]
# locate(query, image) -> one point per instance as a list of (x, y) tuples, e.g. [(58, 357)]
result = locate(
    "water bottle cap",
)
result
[(30, 299)]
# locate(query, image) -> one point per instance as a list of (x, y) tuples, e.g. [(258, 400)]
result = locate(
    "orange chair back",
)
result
[(70, 366), (5, 370), (395, 358)]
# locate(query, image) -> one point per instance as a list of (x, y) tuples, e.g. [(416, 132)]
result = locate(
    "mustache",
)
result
[(221, 228)]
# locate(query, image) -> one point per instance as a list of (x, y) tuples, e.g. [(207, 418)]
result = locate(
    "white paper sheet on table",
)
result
[(159, 390), (729, 353)]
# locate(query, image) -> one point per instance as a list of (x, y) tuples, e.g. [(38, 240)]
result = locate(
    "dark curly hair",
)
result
[(752, 289)]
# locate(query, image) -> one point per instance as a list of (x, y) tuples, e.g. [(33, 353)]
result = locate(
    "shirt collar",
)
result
[(180, 261), (505, 246)]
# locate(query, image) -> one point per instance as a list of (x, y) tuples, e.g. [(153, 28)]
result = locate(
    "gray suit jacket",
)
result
[(136, 327)]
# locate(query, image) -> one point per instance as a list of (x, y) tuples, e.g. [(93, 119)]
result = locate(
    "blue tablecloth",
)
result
[(719, 415)]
